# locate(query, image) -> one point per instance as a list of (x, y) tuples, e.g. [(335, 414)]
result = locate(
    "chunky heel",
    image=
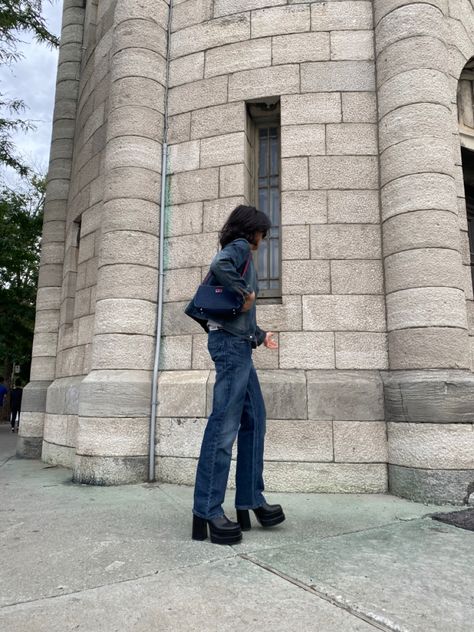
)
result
[(243, 518), (199, 528), (221, 530)]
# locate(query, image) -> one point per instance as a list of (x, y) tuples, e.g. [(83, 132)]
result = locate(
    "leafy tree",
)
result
[(17, 16), (21, 217)]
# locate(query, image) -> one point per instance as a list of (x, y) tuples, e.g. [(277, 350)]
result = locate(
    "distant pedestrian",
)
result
[(3, 393), (16, 395), (238, 408)]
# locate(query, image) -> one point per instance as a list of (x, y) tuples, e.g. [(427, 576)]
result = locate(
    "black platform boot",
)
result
[(221, 530), (267, 515)]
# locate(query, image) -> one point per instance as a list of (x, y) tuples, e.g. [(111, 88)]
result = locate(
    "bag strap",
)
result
[(208, 276)]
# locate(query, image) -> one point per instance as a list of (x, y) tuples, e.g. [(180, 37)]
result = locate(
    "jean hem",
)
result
[(200, 515)]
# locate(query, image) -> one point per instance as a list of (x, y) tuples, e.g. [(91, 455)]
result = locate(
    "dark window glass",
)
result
[(268, 182)]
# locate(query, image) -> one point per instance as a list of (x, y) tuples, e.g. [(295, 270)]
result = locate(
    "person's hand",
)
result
[(249, 301), (269, 341)]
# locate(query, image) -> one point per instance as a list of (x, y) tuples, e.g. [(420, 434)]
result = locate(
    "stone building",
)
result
[(349, 122)]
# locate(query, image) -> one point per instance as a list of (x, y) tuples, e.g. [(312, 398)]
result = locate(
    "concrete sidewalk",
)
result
[(102, 559)]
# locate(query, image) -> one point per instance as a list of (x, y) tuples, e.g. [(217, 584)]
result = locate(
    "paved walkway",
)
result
[(102, 559)]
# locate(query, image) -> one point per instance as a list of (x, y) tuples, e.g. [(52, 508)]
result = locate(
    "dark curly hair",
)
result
[(244, 221)]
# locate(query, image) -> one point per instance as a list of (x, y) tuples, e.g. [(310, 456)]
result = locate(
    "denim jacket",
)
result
[(226, 269)]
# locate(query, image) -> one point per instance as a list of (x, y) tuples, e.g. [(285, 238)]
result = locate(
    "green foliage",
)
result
[(21, 218), (17, 16)]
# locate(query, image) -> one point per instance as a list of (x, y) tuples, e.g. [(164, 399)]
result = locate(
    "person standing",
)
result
[(238, 410), (3, 394), (16, 395)]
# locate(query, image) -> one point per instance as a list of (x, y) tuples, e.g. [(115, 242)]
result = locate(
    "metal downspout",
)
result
[(161, 273)]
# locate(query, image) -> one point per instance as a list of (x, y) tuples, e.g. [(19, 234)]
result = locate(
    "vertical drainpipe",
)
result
[(161, 273)]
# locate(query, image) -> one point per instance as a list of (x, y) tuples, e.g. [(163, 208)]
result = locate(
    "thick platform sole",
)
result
[(201, 528), (243, 518)]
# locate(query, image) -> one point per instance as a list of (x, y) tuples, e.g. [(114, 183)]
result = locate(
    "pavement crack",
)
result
[(335, 601), (115, 583)]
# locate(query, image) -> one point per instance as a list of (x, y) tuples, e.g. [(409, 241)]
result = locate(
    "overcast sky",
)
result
[(33, 80)]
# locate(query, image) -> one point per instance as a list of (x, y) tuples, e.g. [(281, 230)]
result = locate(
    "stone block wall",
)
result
[(319, 60), (375, 318)]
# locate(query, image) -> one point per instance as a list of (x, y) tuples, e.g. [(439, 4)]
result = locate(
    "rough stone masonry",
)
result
[(372, 388)]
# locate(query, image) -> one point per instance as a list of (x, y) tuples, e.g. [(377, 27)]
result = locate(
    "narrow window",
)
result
[(470, 226), (264, 129)]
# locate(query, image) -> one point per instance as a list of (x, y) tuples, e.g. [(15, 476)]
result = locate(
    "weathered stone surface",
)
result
[(126, 246), (355, 207), (426, 120), (102, 470), (283, 317), (429, 396), (383, 7), (29, 447), (32, 425), (431, 446), (414, 86), (183, 157), (289, 49), (348, 478), (198, 94), (127, 281), (356, 277), (338, 76), (294, 174), (343, 172), (63, 396), (210, 34), (343, 313), (132, 183), (181, 284), (352, 139), (299, 109), (201, 358), (234, 181), (430, 486), (361, 350), (60, 429), (115, 393), (123, 351), (410, 54), (57, 454), (416, 156), (239, 56), (121, 436), (307, 350), (423, 268), (193, 186), (254, 84), (280, 20), (192, 12), (288, 440), (129, 316), (345, 395), (360, 442), (421, 19), (34, 397), (304, 207), (345, 241), (420, 229), (344, 15), (176, 353), (295, 242), (352, 45), (223, 150), (226, 7), (305, 277), (426, 307), (184, 219), (179, 129), (303, 140), (182, 394), (218, 120)]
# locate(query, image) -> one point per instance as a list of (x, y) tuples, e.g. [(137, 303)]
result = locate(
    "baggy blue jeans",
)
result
[(238, 410)]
